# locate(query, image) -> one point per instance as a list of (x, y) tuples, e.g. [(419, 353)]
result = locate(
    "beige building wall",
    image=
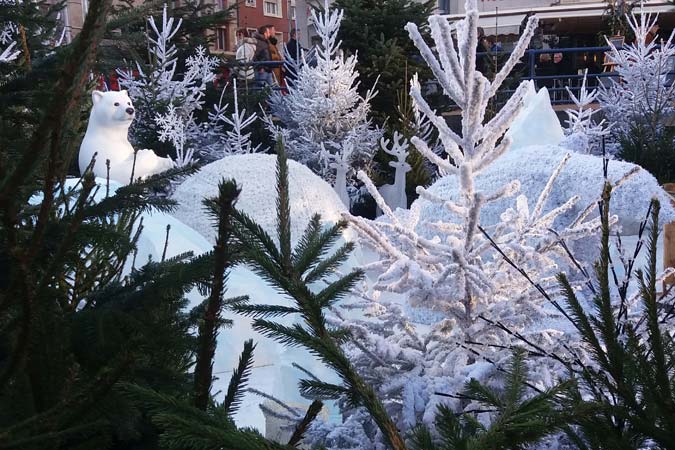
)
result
[(75, 11)]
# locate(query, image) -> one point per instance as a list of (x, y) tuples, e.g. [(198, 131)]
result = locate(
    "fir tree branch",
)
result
[(283, 209), (237, 385), (208, 329), (47, 142), (313, 411), (314, 335)]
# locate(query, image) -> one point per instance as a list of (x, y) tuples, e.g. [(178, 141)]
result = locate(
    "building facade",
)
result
[(248, 14), (565, 17)]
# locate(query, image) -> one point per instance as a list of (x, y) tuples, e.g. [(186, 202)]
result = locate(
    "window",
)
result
[(222, 5), (221, 39), (272, 8), (85, 8), (250, 3), (292, 12)]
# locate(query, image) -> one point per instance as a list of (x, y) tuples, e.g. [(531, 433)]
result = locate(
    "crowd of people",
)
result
[(257, 53)]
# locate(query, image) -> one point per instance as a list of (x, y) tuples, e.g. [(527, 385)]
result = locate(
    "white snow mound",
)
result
[(255, 174), (582, 176), (537, 123)]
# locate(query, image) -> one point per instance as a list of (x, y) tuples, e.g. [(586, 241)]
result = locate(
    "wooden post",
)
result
[(669, 240)]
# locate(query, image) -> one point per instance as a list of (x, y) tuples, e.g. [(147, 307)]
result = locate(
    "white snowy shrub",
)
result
[(9, 54), (323, 120), (8, 32), (236, 140), (583, 133), (642, 92), (444, 302)]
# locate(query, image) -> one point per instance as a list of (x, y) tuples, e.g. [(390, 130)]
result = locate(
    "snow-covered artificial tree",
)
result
[(237, 140), (165, 102), (9, 53), (441, 291), (8, 31), (641, 88), (640, 100), (583, 133), (323, 120)]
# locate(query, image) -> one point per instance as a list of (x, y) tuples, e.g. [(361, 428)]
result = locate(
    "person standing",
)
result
[(482, 49), (246, 46), (263, 73), (293, 51), (293, 47), (275, 55), (652, 34)]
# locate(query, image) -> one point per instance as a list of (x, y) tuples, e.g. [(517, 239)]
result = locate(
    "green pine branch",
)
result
[(517, 420), (240, 376), (291, 270), (208, 329)]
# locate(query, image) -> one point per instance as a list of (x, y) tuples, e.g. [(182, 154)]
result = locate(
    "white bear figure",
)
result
[(106, 135)]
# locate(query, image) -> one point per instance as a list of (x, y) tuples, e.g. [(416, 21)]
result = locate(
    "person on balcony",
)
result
[(482, 50), (652, 34), (275, 55), (263, 73), (245, 50)]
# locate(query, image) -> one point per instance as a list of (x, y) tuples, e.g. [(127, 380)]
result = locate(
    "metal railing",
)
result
[(530, 68), (559, 83)]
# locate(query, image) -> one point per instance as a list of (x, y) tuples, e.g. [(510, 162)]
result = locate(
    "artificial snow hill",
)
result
[(582, 176), (537, 148), (255, 174), (537, 123)]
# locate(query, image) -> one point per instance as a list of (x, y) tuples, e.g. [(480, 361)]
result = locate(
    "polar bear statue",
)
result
[(107, 135)]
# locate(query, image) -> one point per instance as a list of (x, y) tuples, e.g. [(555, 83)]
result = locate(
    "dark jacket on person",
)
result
[(262, 51), (292, 48)]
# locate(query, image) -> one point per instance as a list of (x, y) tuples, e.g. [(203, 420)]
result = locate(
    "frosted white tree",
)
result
[(236, 140), (324, 120), (9, 54), (583, 133), (642, 92), (162, 99), (419, 123), (8, 32), (457, 290)]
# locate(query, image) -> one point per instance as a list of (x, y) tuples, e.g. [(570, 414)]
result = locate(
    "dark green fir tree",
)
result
[(375, 30)]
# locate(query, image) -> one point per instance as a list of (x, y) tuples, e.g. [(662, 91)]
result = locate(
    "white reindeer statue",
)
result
[(340, 162), (394, 194)]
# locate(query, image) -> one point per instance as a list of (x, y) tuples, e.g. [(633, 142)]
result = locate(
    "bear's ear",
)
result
[(96, 96), (124, 91)]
